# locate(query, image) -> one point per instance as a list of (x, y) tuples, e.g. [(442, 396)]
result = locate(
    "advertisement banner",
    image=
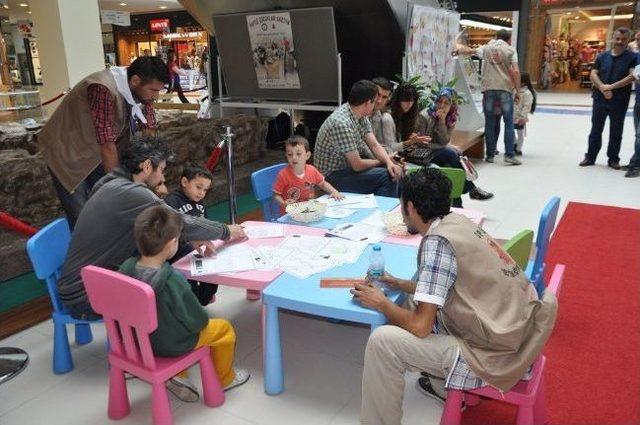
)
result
[(115, 17), (273, 51)]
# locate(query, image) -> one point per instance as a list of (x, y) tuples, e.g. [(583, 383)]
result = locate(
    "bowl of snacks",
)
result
[(306, 212), (394, 223)]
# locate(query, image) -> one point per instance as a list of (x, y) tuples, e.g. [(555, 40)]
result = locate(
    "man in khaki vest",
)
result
[(471, 317), (94, 122)]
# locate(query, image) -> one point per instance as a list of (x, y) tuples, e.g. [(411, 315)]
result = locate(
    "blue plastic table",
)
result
[(306, 296), (384, 204)]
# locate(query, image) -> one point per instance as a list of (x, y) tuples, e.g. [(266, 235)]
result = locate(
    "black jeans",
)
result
[(449, 157), (374, 180), (72, 203), (616, 112)]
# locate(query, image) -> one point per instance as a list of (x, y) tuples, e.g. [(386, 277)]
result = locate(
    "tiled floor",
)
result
[(323, 361)]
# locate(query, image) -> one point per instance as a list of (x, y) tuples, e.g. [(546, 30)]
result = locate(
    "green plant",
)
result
[(421, 87), (428, 94)]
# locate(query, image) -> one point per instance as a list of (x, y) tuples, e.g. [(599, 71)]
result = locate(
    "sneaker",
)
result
[(586, 162), (479, 194), (489, 159), (424, 386), (183, 389), (242, 376), (613, 164), (632, 172), (511, 160), (519, 153)]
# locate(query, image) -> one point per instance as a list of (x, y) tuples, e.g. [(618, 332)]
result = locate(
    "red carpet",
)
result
[(593, 356)]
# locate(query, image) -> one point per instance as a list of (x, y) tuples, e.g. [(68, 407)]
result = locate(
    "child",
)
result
[(296, 182), (194, 184), (183, 325), (522, 110)]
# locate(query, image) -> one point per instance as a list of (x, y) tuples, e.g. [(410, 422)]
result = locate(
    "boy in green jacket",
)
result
[(183, 325)]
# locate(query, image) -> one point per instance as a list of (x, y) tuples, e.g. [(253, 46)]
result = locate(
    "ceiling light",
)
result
[(483, 25), (6, 6), (163, 7), (24, 5), (607, 18), (123, 4)]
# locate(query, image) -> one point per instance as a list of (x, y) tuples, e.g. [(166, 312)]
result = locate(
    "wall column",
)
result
[(69, 42)]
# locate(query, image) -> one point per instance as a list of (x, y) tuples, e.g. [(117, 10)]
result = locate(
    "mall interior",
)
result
[(237, 86)]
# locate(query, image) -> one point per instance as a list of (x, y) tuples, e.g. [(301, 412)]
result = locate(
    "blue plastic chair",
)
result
[(262, 184), (535, 268), (47, 250)]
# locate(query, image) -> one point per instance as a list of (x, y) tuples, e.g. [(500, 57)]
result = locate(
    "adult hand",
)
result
[(517, 97), (395, 170), (392, 282), (369, 296), (605, 87), (608, 95), (237, 232), (422, 140), (441, 114)]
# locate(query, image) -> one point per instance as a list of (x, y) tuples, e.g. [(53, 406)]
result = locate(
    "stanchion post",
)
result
[(233, 208)]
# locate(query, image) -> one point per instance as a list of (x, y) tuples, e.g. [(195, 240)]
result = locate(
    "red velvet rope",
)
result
[(13, 223)]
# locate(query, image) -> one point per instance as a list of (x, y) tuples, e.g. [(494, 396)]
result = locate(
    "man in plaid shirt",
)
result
[(96, 119), (342, 139)]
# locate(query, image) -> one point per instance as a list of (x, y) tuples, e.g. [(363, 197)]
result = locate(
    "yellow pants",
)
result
[(221, 338)]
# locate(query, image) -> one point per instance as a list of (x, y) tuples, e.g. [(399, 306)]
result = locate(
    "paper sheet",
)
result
[(342, 251), (352, 201), (359, 232), (229, 260), (338, 212), (265, 231)]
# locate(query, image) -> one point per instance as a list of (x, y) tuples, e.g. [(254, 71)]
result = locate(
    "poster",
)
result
[(432, 38), (273, 51)]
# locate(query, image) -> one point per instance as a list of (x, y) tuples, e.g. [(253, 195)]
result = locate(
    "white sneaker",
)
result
[(183, 389), (242, 376), (511, 160)]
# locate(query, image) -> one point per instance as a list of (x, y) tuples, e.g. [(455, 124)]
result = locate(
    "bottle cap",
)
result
[(377, 248)]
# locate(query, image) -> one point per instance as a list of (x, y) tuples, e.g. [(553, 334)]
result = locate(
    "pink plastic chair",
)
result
[(129, 310), (527, 395)]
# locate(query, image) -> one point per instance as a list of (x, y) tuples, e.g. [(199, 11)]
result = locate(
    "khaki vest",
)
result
[(68, 140), (492, 310), (497, 57)]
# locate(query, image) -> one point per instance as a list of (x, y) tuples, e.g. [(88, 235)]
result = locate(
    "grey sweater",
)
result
[(103, 235)]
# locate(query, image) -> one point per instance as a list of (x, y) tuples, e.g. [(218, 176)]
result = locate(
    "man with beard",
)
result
[(95, 121), (608, 70)]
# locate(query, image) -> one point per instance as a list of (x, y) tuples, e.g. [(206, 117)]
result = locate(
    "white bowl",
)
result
[(307, 212), (394, 223)]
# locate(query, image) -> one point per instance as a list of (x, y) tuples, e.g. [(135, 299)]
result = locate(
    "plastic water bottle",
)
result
[(376, 267)]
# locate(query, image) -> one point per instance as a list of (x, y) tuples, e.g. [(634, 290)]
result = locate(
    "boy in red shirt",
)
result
[(296, 183)]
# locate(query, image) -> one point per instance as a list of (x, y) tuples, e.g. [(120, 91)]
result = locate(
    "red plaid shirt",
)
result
[(102, 105)]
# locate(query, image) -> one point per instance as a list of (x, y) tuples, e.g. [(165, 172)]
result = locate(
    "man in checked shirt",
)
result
[(471, 318), (94, 122)]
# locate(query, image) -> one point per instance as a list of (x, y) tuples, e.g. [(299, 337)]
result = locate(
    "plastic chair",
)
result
[(47, 250), (535, 268), (457, 177), (129, 310), (519, 247), (527, 395), (262, 184)]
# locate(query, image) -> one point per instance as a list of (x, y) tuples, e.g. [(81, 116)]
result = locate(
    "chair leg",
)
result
[(83, 334), (62, 362), (471, 399), (253, 294), (452, 408), (119, 406), (540, 407), (525, 415), (160, 405), (213, 393)]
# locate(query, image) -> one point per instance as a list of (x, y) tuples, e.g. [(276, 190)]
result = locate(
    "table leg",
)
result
[(273, 373)]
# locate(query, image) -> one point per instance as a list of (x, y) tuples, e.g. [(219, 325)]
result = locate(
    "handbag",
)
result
[(418, 155), (469, 169)]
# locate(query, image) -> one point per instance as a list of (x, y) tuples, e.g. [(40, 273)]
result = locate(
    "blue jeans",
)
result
[(635, 159), (616, 112), (374, 180), (496, 103), (72, 203)]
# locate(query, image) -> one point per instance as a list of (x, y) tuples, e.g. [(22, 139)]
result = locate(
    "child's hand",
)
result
[(205, 248), (290, 201), (337, 196)]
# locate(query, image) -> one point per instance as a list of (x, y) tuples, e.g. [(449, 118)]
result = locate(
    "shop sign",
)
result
[(115, 17), (26, 29), (159, 25), (183, 35)]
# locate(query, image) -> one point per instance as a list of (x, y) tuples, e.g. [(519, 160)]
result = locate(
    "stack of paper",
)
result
[(359, 232), (265, 231), (233, 259), (352, 201)]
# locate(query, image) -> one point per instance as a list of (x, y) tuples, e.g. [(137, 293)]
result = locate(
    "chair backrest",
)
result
[(519, 247), (545, 229), (47, 251), (555, 283), (262, 184), (457, 177), (128, 307)]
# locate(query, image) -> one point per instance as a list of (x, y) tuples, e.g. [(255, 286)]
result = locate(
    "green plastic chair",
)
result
[(519, 247), (457, 177)]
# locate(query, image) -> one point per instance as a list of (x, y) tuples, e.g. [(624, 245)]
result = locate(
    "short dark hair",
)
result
[(429, 190), (504, 35), (361, 92), (191, 171), (149, 68), (298, 140), (383, 83), (623, 31), (140, 149), (155, 227)]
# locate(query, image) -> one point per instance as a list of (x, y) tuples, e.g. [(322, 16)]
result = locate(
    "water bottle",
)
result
[(376, 268)]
